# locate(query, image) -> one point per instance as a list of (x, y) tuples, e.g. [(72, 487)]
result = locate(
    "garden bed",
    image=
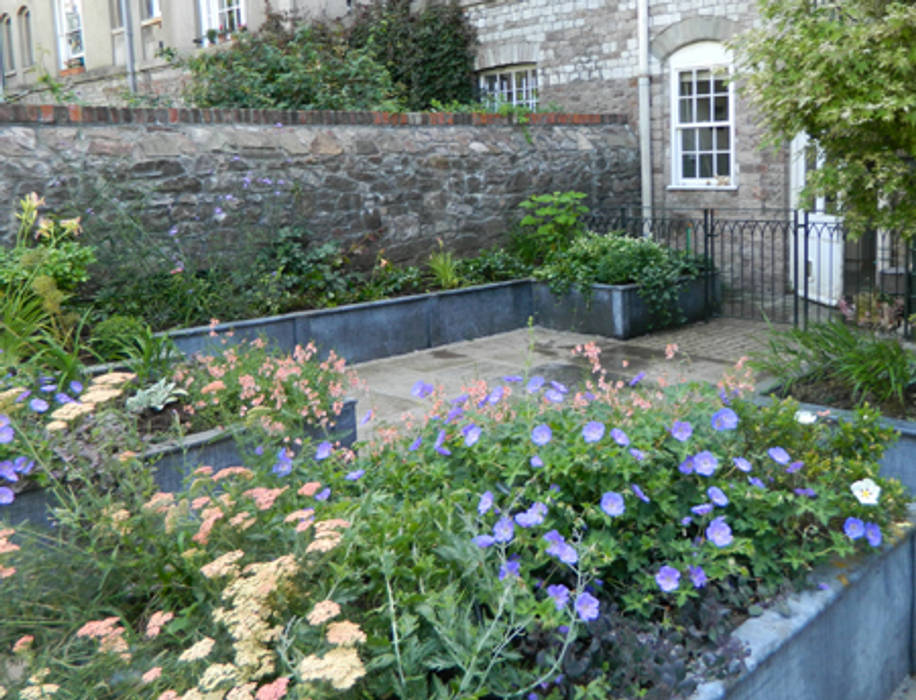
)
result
[(849, 639), (899, 461), (378, 329), (172, 462)]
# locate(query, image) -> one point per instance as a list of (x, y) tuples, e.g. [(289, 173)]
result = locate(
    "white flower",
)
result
[(867, 491), (805, 417)]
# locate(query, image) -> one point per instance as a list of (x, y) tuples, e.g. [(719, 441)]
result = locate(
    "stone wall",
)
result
[(369, 180)]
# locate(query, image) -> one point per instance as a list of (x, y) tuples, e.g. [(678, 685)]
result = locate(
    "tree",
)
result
[(845, 74)]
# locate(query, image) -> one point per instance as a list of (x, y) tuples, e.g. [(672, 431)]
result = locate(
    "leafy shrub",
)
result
[(111, 337), (552, 223), (35, 284), (618, 259), (303, 67), (842, 364), (492, 265), (429, 54)]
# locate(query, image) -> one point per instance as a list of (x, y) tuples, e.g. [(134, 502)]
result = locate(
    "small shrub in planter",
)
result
[(524, 538), (617, 259)]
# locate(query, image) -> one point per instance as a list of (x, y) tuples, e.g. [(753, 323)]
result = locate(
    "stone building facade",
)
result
[(585, 54)]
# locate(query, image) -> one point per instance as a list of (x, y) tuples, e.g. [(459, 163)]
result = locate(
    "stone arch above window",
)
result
[(690, 31), (506, 54)]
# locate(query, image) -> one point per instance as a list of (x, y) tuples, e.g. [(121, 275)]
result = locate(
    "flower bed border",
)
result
[(899, 460), (852, 641), (175, 460)]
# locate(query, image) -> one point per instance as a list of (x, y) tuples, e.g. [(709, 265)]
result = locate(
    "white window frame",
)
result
[(6, 44), (26, 47), (693, 60), (515, 85), (150, 10), (223, 16), (67, 50)]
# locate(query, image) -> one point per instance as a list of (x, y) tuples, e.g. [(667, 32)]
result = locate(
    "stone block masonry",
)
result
[(370, 180)]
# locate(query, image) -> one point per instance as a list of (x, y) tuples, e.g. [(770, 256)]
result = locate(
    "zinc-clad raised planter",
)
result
[(378, 329), (845, 641)]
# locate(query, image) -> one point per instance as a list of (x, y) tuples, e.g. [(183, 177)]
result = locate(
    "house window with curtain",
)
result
[(702, 117), (70, 37), (6, 44), (514, 85), (26, 48)]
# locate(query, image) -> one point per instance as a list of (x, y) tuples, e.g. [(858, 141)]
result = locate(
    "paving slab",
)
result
[(704, 352)]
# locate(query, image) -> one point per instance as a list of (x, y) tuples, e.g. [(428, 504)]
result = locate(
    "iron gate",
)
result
[(783, 266)]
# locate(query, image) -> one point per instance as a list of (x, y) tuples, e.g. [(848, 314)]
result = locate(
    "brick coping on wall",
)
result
[(61, 115)]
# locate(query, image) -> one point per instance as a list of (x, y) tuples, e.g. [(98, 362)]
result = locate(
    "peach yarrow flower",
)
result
[(199, 650), (156, 621), (322, 612)]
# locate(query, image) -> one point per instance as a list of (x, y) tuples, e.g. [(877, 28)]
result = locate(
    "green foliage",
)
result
[(429, 54), (35, 284), (492, 265), (843, 74), (156, 397), (444, 268), (111, 337), (280, 561), (618, 259), (278, 67), (865, 366), (550, 225)]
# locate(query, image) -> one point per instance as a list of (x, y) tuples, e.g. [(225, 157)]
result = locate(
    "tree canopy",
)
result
[(845, 74)]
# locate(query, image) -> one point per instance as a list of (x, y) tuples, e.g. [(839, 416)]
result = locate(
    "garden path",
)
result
[(705, 351)]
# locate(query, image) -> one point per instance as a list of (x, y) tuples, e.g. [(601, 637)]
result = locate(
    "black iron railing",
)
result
[(786, 266)]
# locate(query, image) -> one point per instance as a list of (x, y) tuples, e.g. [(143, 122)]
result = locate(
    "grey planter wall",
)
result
[(362, 332), (849, 642), (172, 463), (617, 311)]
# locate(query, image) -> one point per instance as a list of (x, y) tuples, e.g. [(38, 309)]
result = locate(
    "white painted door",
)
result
[(822, 267)]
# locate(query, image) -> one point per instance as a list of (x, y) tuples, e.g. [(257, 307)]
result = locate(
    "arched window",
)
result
[(6, 44), (26, 48), (702, 116)]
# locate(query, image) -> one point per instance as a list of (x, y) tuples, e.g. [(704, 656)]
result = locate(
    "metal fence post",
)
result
[(710, 252), (909, 289), (805, 268), (795, 267)]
